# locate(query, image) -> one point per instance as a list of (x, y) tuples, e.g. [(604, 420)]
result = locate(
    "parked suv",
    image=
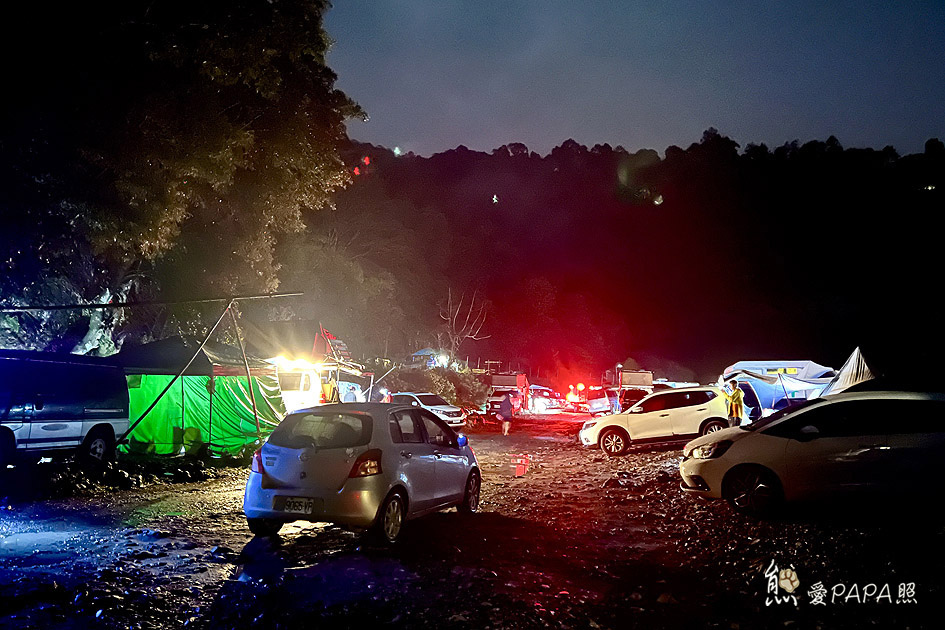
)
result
[(856, 443), (60, 404), (666, 415), (450, 414)]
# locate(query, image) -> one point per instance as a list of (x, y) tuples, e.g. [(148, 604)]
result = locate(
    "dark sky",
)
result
[(433, 74)]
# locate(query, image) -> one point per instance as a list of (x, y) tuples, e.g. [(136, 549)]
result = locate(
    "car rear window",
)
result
[(323, 430)]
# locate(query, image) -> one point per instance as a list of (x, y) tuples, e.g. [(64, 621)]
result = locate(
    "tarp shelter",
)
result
[(796, 369), (770, 385), (209, 405), (764, 392)]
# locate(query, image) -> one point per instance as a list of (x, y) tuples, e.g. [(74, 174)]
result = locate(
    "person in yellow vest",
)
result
[(736, 404)]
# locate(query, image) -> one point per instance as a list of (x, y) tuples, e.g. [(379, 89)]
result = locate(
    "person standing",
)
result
[(504, 414), (736, 404)]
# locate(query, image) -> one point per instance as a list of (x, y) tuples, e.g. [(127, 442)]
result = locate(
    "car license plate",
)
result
[(294, 505)]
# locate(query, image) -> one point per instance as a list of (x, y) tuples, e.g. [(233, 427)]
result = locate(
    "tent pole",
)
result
[(249, 378), (179, 374), (783, 388)]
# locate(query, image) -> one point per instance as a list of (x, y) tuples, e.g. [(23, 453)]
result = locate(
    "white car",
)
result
[(666, 415), (451, 414), (846, 443), (542, 399), (362, 465)]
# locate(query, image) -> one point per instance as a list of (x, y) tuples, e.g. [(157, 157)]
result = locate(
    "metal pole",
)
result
[(379, 380), (68, 307), (179, 374), (249, 377)]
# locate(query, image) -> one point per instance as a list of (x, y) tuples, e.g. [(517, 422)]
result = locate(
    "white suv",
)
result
[(666, 415), (450, 414)]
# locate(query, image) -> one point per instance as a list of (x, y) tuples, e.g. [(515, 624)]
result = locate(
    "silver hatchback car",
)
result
[(360, 464)]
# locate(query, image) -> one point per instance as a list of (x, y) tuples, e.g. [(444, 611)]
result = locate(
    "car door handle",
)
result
[(406, 454), (663, 415), (703, 409)]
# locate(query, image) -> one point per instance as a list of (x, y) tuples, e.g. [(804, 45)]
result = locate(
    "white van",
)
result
[(60, 404)]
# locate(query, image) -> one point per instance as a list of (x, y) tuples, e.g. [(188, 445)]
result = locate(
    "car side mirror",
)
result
[(461, 440), (635, 409), (807, 433)]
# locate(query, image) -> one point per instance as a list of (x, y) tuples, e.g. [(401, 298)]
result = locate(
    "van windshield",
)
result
[(290, 381)]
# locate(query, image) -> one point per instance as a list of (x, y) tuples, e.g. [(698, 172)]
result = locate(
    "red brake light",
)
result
[(257, 466), (367, 464)]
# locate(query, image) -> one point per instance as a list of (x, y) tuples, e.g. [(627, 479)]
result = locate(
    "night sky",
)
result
[(434, 74)]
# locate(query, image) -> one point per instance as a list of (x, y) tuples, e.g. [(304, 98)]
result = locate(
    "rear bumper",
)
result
[(356, 504)]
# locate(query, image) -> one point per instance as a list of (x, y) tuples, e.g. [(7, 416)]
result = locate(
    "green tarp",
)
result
[(189, 416)]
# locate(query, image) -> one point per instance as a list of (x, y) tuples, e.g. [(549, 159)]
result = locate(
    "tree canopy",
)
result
[(160, 148)]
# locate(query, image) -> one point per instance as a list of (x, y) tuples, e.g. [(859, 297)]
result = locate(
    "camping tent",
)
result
[(769, 385), (854, 371), (764, 392), (796, 369), (210, 404)]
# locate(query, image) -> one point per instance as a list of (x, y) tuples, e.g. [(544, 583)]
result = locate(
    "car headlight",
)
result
[(711, 451), (588, 425)]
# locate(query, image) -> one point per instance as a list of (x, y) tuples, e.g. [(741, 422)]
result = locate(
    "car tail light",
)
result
[(323, 398), (367, 464), (257, 466)]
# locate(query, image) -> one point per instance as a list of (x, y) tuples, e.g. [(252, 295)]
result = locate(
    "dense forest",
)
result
[(145, 154), (684, 263)]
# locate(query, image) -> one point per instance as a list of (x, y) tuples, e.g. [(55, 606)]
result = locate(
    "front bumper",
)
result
[(703, 476), (588, 437), (356, 504)]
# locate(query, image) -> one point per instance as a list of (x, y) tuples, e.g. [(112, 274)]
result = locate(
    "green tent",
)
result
[(210, 405)]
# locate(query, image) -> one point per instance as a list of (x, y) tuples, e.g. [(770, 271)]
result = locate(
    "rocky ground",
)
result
[(579, 541)]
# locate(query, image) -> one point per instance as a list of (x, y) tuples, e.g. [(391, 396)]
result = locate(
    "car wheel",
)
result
[(712, 427), (264, 526), (752, 490), (390, 518), (98, 447), (470, 503), (614, 442)]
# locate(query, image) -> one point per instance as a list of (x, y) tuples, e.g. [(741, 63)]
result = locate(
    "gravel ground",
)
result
[(580, 540)]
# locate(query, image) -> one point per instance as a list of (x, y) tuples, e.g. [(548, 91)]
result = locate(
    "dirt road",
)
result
[(579, 541)]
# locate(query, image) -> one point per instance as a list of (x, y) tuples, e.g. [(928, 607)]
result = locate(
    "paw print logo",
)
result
[(787, 579)]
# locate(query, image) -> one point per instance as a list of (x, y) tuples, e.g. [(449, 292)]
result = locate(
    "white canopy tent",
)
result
[(854, 371)]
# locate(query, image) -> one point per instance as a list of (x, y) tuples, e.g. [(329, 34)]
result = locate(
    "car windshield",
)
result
[(322, 430), (761, 423), (431, 400)]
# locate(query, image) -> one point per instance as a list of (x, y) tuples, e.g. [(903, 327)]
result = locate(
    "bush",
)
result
[(457, 388)]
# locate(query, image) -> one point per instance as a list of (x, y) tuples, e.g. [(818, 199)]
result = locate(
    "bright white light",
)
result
[(443, 360), (397, 152), (658, 200)]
